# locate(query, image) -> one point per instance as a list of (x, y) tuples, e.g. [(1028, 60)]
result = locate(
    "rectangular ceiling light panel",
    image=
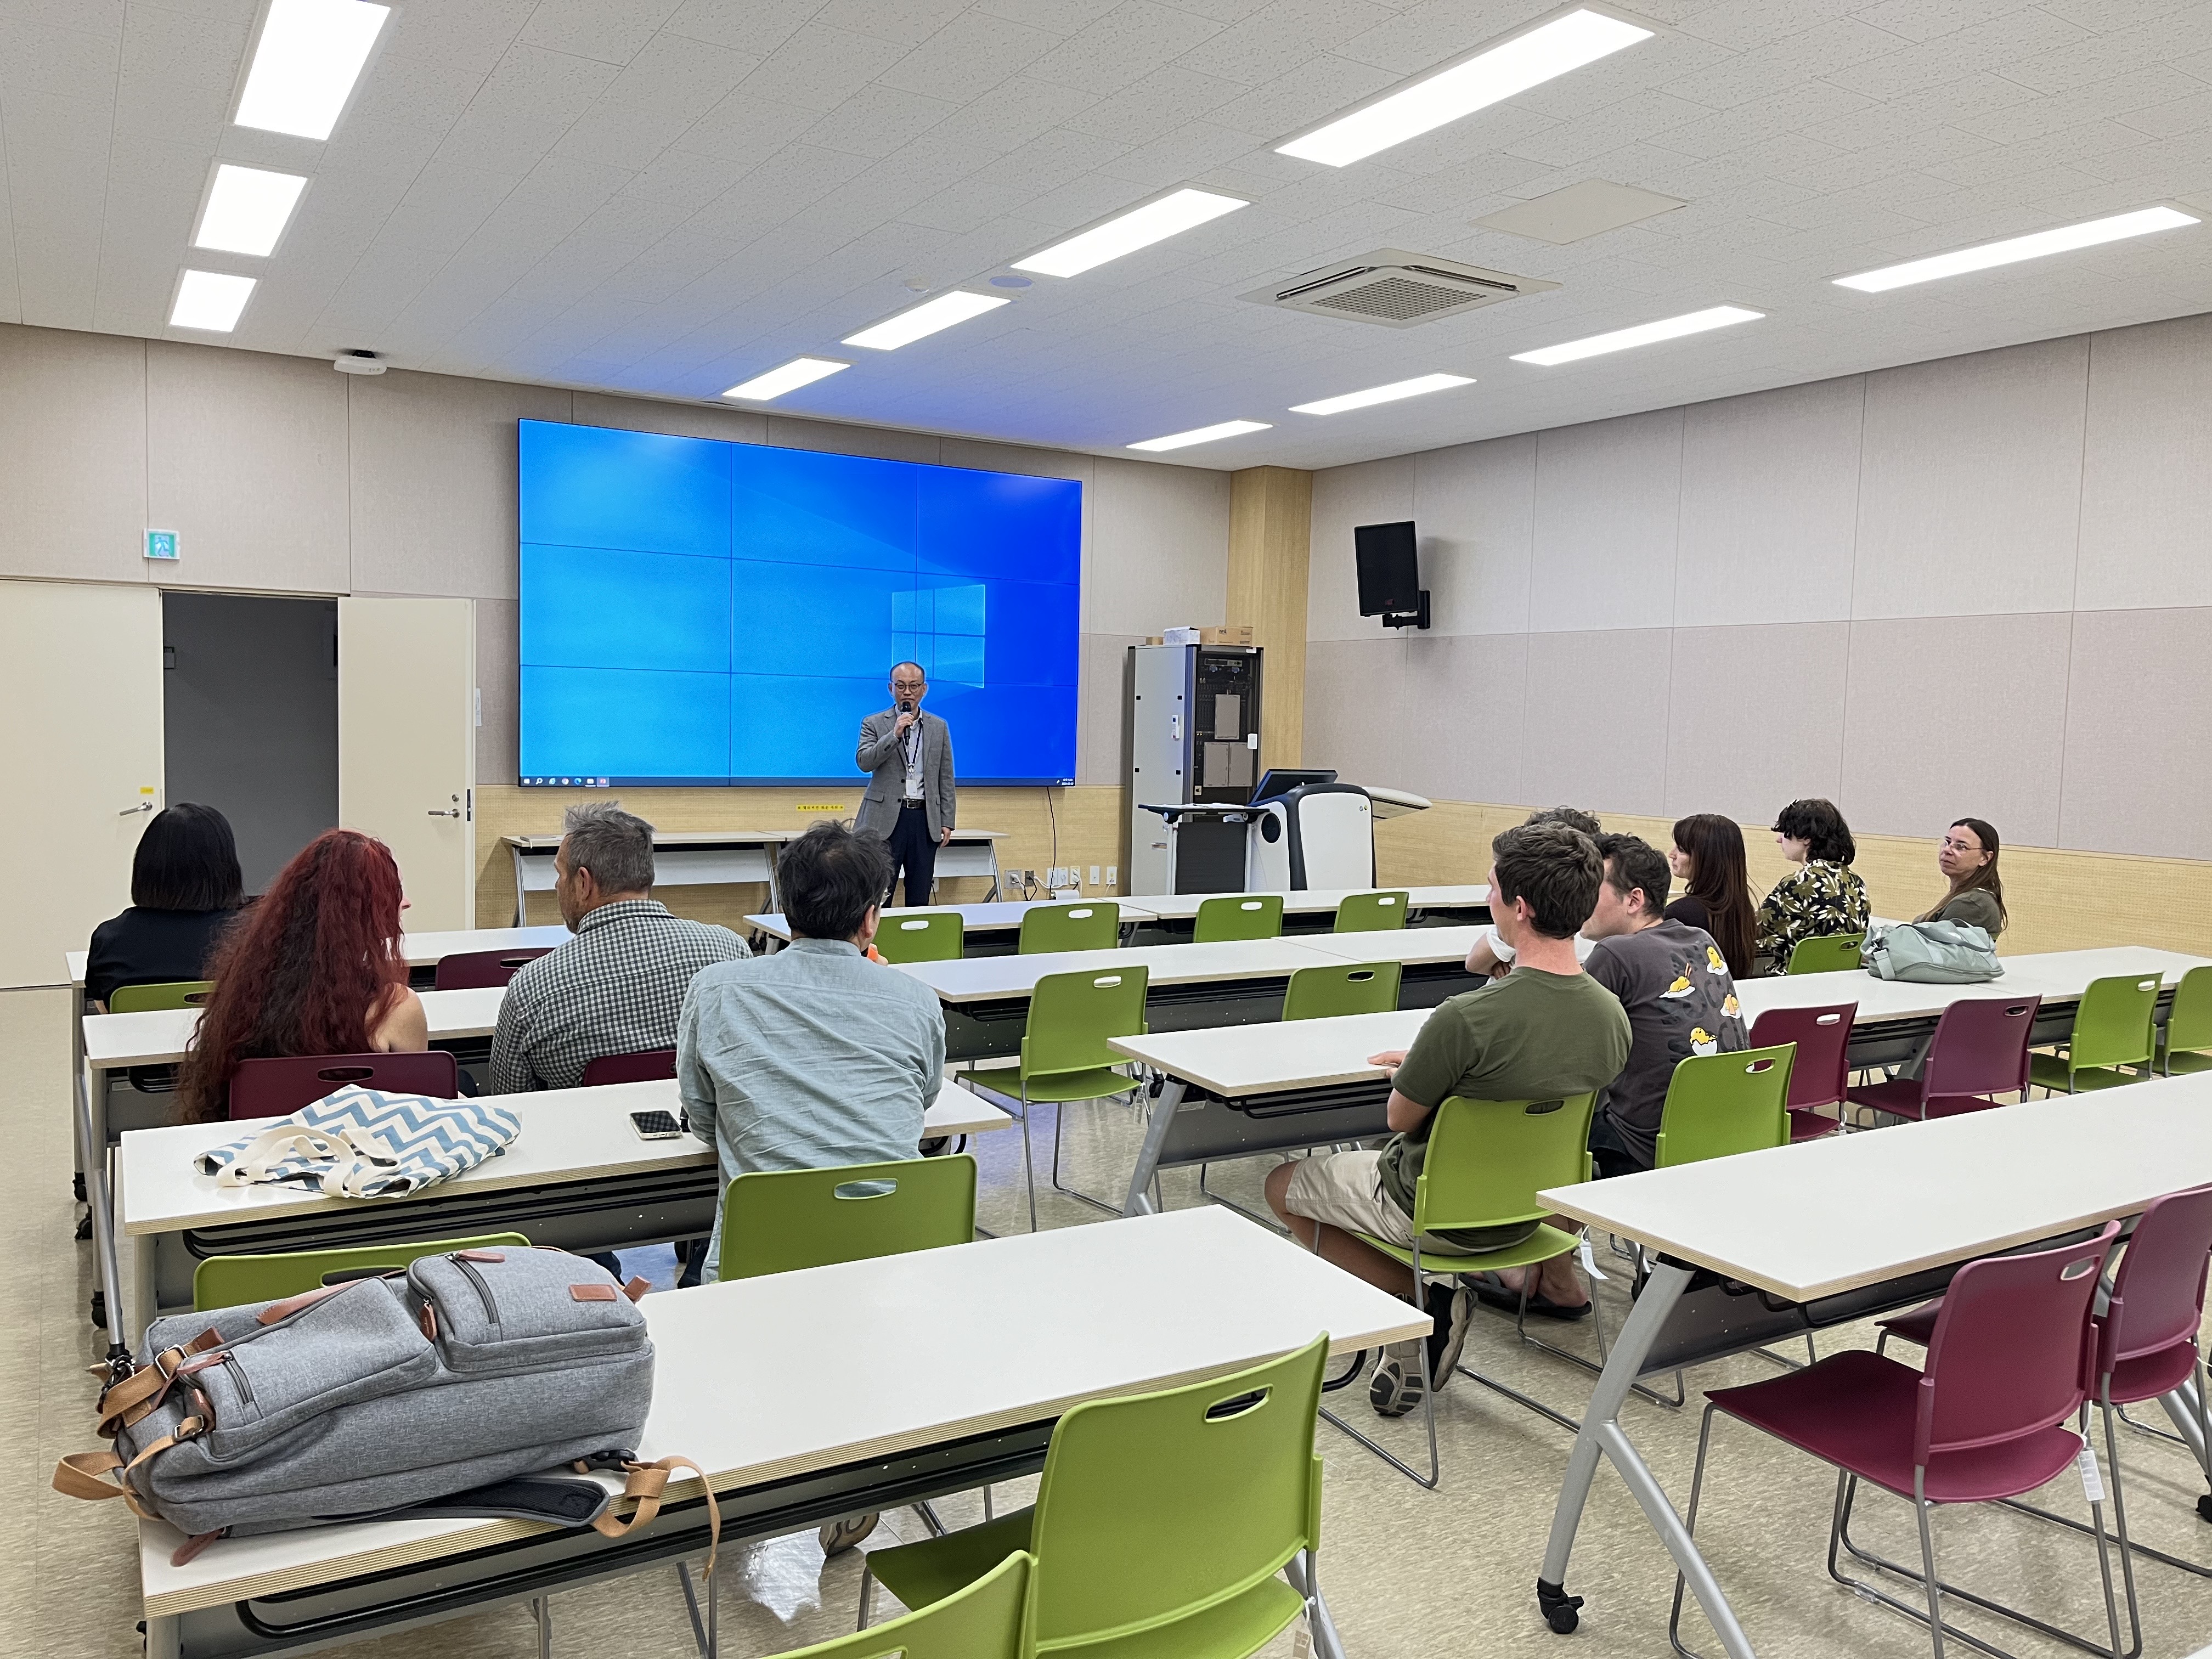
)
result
[(799, 372), (1623, 339), (247, 210), (919, 322), (1534, 55), (211, 300), (1202, 434), (2064, 239), (1382, 394), (1140, 227), (310, 54)]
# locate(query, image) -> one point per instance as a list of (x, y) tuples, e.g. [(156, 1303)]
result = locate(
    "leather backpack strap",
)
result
[(80, 1474), (646, 1482)]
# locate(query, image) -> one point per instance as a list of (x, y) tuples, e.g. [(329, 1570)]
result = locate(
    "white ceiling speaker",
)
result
[(357, 361), (1395, 288)]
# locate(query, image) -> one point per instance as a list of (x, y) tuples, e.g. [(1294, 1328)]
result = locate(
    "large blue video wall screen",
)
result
[(701, 612)]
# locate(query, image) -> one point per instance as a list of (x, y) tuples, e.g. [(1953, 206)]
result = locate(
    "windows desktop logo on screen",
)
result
[(701, 612)]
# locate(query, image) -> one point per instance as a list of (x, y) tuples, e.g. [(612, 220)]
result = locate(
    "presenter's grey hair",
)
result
[(614, 846)]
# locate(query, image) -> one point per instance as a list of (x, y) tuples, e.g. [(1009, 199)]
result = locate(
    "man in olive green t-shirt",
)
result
[(1545, 1030)]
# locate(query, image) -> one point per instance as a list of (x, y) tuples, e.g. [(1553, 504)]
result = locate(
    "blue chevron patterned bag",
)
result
[(363, 1143)]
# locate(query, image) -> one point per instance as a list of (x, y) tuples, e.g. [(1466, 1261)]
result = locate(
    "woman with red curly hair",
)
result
[(313, 969)]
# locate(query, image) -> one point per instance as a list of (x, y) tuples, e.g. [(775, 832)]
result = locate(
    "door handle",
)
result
[(453, 812), (133, 812)]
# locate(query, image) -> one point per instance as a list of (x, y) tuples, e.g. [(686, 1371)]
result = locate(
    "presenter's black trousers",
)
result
[(914, 850)]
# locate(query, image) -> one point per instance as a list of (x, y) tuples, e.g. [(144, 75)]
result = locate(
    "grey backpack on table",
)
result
[(1933, 953), (360, 1400)]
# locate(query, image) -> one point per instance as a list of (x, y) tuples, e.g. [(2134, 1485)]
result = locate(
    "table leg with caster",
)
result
[(1139, 1202)]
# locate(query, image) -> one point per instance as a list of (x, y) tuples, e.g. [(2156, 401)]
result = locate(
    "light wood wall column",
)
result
[(1270, 527)]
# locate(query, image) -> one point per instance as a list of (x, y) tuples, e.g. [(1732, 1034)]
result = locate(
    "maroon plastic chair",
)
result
[(277, 1088), (1821, 1074), (2008, 1370), (649, 1066), (1980, 1049), (470, 970), (2146, 1347)]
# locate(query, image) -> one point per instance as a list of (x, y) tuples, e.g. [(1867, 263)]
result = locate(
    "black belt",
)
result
[(911, 802)]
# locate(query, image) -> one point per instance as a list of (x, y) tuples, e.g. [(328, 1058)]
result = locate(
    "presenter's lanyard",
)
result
[(912, 747)]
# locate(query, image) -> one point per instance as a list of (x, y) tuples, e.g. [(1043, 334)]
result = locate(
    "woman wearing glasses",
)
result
[(1968, 859)]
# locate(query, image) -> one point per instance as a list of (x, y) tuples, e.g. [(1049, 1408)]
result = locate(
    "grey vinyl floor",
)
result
[(1408, 1574)]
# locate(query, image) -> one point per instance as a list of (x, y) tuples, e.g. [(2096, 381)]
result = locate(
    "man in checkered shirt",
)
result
[(617, 987)]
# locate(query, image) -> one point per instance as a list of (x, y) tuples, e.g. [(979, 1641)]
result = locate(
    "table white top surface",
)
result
[(160, 1036), (1004, 913), (567, 1134), (682, 838), (2054, 975), (985, 1336), (1184, 907), (1299, 1054), (1829, 1215), (976, 979), (1407, 945), (426, 950)]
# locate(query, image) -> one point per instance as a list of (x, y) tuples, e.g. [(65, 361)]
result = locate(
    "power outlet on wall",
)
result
[(1113, 878)]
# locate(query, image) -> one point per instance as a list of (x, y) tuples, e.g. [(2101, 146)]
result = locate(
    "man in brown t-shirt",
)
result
[(1544, 1030)]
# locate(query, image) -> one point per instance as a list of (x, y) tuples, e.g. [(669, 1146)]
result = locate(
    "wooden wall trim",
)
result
[(1270, 546), (2058, 899)]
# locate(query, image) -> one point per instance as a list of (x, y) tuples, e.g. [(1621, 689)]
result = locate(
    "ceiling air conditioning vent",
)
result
[(1395, 288)]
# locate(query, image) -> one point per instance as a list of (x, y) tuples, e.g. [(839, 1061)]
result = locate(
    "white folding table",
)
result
[(1772, 1244), (994, 1340), (985, 929), (579, 1176), (681, 858), (1311, 909)]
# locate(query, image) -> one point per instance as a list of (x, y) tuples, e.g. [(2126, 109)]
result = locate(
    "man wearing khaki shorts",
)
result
[(1545, 1030)]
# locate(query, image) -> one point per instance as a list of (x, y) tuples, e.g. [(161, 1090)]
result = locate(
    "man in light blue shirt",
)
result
[(815, 1056)]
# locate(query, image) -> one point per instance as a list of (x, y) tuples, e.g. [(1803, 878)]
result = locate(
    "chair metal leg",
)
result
[(1920, 1511), (931, 1519), (704, 1633), (1262, 1216), (1303, 1571), (1690, 1525), (1428, 1400), (1060, 1113), (868, 1593)]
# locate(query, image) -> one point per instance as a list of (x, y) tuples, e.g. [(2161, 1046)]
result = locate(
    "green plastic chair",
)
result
[(233, 1281), (145, 999), (1090, 924), (2111, 1028), (1238, 915), (1486, 1161), (1827, 953), (1372, 912), (1356, 988), (1718, 1105), (1161, 1523), (780, 1221), (2185, 1044), (986, 1620), (921, 936)]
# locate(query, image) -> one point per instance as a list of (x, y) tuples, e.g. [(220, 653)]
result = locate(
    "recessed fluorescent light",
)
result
[(247, 210), (310, 55), (1140, 227), (1668, 328), (918, 322), (211, 300), (2089, 233), (1528, 60), (799, 372), (1382, 394), (1202, 434)]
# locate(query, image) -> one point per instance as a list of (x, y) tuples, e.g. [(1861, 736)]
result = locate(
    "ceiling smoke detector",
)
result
[(1395, 288), (355, 361)]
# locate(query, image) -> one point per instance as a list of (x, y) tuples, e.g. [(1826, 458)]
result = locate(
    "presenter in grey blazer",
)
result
[(909, 801)]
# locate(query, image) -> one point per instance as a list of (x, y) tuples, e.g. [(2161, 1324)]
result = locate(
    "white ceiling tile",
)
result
[(759, 26), (1276, 39), (1122, 47), (879, 121), (820, 68), (593, 28), (628, 138), (745, 126), (968, 57), (58, 61), (1928, 20), (1837, 44), (674, 76), (1161, 100), (1746, 25)]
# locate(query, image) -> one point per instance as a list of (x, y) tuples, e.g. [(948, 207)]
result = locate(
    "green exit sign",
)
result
[(162, 545)]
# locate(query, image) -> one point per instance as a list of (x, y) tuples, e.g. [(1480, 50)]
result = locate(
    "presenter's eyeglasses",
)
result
[(909, 685)]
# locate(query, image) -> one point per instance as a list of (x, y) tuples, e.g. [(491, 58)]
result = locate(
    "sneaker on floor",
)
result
[(838, 1536), (1396, 1387), (1452, 1307)]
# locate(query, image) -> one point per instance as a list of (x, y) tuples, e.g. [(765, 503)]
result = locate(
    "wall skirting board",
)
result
[(2059, 900)]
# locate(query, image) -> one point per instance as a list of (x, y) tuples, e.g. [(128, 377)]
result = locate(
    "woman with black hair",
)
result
[(186, 887), (1825, 896)]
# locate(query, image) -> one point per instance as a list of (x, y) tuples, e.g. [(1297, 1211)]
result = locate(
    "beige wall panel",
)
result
[(434, 470), (1355, 702), (1462, 711), (1474, 508), (1019, 457), (1755, 717), (1769, 506), (1373, 492), (246, 461), (1079, 826), (2138, 757), (1608, 500), (1955, 714), (2147, 469), (1102, 735), (73, 455), (1589, 737), (1158, 552), (498, 680), (1972, 488), (788, 432), (737, 426)]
